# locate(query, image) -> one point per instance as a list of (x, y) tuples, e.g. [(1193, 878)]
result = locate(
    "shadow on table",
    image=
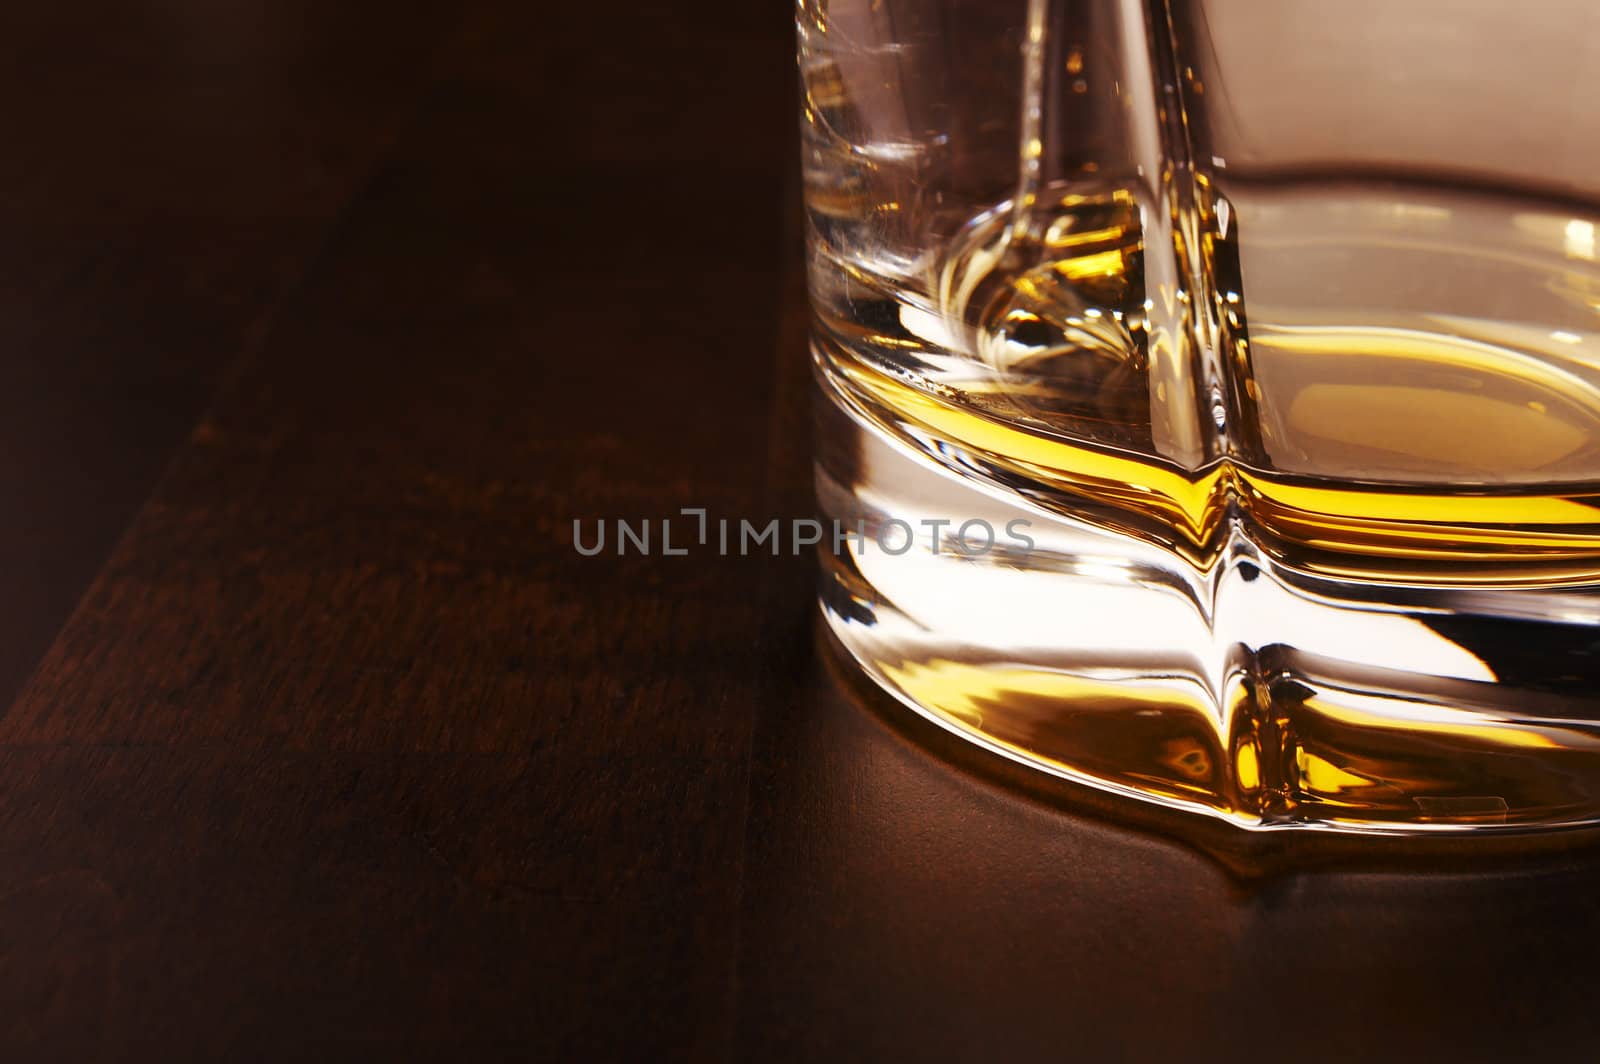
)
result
[(912, 897)]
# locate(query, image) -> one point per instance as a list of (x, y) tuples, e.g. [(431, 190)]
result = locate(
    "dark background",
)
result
[(319, 323)]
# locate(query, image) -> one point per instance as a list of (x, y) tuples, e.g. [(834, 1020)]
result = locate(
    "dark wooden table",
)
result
[(321, 322)]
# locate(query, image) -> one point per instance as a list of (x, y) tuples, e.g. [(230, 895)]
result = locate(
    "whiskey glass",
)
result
[(1209, 393)]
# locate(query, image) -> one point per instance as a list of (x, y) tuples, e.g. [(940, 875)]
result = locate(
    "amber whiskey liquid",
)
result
[(1312, 462), (1366, 433)]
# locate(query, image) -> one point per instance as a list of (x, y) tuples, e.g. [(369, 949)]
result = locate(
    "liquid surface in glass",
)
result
[(1377, 388)]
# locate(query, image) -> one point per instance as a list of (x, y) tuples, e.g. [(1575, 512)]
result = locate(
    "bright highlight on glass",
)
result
[(1281, 324)]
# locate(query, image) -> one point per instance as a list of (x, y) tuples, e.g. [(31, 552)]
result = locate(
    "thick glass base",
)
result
[(1248, 691)]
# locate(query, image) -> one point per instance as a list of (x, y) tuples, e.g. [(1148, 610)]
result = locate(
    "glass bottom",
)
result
[(1267, 697)]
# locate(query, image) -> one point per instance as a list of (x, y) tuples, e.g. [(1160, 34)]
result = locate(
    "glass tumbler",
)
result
[(1209, 393)]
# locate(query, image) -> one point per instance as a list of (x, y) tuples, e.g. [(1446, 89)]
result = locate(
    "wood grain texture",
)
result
[(323, 324), (345, 664), (169, 172)]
